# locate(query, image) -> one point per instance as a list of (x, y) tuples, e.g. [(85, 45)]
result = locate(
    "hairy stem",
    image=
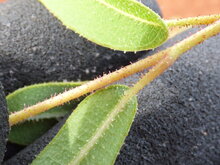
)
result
[(90, 86), (201, 20), (170, 55)]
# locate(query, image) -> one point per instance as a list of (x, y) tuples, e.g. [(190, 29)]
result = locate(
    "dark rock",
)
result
[(27, 155), (178, 121), (4, 127), (35, 47), (11, 150)]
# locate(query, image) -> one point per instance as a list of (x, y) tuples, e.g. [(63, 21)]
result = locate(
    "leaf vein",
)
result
[(127, 14)]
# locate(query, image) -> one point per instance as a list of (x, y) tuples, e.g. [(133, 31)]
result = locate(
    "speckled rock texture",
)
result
[(4, 127), (27, 155), (35, 47)]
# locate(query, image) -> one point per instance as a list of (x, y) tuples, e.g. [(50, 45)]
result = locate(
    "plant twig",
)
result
[(201, 20), (90, 86), (172, 54)]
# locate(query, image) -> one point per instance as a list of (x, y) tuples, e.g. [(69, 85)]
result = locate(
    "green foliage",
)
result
[(29, 131), (118, 24), (92, 134), (25, 133)]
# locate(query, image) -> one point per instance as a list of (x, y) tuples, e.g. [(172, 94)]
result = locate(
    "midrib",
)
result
[(127, 14), (103, 127)]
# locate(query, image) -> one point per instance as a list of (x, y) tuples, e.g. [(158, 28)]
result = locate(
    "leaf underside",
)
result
[(25, 133), (125, 25), (75, 144)]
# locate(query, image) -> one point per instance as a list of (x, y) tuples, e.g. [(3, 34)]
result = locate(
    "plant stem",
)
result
[(173, 53), (169, 55), (201, 20), (90, 86)]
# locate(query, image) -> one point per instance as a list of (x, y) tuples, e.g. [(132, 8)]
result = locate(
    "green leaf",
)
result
[(94, 133), (125, 25), (28, 132), (25, 133)]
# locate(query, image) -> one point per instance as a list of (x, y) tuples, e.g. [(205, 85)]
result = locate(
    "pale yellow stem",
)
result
[(60, 99), (171, 56), (173, 53), (201, 20)]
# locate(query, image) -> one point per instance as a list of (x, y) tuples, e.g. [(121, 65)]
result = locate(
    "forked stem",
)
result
[(172, 54), (169, 55), (201, 20)]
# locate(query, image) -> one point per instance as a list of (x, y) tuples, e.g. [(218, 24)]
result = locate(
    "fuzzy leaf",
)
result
[(125, 25), (28, 132), (37, 125), (94, 133)]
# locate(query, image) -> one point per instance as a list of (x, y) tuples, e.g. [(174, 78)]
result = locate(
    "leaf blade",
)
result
[(75, 136), (38, 125), (123, 24)]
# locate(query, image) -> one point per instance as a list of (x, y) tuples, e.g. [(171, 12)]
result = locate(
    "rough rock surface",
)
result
[(35, 47), (27, 155), (4, 127)]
